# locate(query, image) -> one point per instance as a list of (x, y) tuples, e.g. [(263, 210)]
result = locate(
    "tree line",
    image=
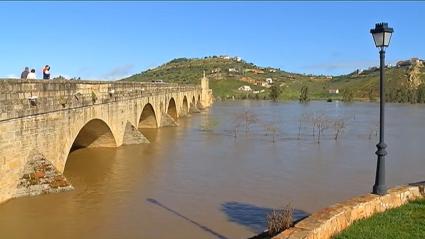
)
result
[(406, 95)]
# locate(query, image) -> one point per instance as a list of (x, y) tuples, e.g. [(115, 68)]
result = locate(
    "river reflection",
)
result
[(190, 183)]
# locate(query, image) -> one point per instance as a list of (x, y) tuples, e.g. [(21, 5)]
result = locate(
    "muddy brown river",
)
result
[(199, 181)]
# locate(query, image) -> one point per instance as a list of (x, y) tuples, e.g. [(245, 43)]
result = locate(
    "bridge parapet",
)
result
[(21, 98)]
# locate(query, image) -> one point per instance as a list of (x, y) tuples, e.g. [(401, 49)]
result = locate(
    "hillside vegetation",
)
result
[(404, 82)]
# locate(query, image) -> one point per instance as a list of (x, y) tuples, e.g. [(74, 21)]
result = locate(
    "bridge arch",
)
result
[(185, 106), (172, 109), (198, 103), (148, 117), (95, 133)]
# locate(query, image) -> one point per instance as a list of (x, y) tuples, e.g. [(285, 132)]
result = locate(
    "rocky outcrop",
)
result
[(414, 72)]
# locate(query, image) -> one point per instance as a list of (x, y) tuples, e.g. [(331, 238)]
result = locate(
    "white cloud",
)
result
[(331, 66), (10, 76), (341, 66), (118, 72)]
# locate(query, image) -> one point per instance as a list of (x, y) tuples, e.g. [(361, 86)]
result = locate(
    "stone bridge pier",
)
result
[(41, 122)]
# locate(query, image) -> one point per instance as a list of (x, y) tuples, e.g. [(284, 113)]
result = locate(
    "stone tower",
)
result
[(206, 92)]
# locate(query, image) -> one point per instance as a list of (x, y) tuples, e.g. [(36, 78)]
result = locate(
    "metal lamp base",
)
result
[(380, 189)]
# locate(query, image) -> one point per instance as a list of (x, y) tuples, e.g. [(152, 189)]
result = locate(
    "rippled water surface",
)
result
[(192, 183)]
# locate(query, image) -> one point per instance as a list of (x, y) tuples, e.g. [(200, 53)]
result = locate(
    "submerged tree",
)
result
[(322, 123), (271, 129), (304, 94), (245, 119), (303, 119), (275, 92), (339, 125)]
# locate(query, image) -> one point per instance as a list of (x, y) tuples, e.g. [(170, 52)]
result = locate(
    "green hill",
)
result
[(404, 82)]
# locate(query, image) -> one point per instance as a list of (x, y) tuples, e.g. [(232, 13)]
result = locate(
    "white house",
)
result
[(233, 70), (265, 84), (333, 91), (269, 80), (245, 88)]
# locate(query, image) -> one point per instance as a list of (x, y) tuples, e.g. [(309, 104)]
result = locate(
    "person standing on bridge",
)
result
[(31, 75), (46, 72), (25, 73)]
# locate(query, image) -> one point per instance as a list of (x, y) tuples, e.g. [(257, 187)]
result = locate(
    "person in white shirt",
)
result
[(31, 75)]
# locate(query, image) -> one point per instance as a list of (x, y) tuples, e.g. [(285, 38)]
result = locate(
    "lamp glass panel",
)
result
[(387, 38), (378, 38)]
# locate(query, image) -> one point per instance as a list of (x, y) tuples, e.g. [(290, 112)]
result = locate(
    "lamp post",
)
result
[(382, 36)]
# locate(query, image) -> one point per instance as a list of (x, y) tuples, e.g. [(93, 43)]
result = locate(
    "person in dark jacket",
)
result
[(24, 74), (46, 72)]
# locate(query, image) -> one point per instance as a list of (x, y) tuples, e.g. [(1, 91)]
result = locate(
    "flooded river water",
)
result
[(199, 181)]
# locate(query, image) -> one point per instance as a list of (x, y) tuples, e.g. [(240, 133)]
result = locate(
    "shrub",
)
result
[(279, 220), (93, 97)]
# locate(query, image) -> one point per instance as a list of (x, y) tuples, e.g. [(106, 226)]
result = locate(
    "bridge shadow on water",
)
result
[(251, 216), (203, 227)]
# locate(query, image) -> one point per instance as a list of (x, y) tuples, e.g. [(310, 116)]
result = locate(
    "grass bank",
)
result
[(407, 221)]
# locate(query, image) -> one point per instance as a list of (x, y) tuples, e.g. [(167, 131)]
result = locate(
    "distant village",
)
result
[(407, 63), (266, 83)]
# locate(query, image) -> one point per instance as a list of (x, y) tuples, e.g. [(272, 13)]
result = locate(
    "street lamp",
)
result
[(382, 36)]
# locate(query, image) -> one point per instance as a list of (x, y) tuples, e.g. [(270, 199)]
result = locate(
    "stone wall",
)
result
[(334, 219), (49, 118)]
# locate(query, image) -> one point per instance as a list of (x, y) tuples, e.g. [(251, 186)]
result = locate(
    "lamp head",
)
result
[(382, 34)]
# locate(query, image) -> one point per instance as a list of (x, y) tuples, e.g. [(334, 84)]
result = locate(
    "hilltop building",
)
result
[(409, 62), (226, 57)]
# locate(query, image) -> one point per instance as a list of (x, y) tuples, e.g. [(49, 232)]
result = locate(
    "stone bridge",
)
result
[(42, 121)]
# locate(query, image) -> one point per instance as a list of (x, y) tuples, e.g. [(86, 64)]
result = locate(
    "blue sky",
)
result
[(109, 40)]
